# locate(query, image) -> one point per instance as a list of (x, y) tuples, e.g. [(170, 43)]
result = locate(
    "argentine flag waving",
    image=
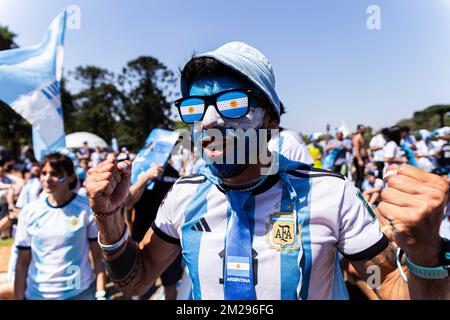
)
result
[(30, 85)]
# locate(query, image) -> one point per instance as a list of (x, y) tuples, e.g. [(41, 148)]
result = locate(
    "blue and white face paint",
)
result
[(214, 135)]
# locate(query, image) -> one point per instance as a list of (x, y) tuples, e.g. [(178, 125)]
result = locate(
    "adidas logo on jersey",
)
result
[(201, 225)]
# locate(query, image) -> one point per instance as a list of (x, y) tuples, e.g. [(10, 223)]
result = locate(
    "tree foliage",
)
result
[(125, 106), (146, 83), (14, 130), (96, 106), (430, 118)]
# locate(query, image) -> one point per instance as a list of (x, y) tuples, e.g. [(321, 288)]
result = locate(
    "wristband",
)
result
[(439, 272), (100, 295), (116, 245)]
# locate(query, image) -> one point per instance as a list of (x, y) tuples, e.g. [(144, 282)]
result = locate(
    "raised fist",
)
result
[(414, 203), (108, 185)]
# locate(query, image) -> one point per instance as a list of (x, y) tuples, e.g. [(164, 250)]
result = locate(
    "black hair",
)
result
[(394, 134), (405, 129), (359, 126), (2, 162), (209, 67), (385, 131), (61, 163)]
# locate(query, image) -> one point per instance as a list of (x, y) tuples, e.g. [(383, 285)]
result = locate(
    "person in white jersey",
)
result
[(376, 146), (291, 145), (426, 152), (246, 233), (30, 192), (55, 234)]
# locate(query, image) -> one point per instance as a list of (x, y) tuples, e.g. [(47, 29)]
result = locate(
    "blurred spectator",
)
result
[(407, 138), (360, 154), (372, 187), (27, 159), (338, 149), (315, 149), (29, 193), (4, 154), (393, 154), (426, 152), (123, 155), (290, 144), (84, 155), (6, 199), (376, 145), (443, 150), (32, 187), (96, 157)]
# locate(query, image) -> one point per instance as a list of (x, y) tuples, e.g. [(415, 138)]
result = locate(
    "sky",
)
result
[(329, 66)]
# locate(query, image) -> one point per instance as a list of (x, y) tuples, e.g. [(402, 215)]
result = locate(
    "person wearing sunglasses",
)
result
[(249, 233)]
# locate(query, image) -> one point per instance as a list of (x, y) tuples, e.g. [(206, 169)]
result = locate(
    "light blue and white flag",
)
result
[(157, 149), (30, 84)]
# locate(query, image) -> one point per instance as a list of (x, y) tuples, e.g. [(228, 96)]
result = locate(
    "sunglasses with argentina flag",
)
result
[(230, 104)]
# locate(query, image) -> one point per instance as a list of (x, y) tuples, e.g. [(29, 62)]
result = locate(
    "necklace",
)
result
[(260, 182)]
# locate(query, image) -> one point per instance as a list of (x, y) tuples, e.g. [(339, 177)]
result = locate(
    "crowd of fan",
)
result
[(347, 154), (364, 164)]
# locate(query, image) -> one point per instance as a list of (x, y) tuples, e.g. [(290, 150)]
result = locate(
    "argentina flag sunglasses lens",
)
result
[(233, 104), (191, 110)]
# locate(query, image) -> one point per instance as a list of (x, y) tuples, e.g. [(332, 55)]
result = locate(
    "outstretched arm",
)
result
[(138, 188)]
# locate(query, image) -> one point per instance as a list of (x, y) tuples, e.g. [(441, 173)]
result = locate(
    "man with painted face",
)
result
[(248, 235)]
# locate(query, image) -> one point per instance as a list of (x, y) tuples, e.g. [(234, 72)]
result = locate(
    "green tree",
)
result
[(14, 130), (69, 109), (96, 107), (430, 118), (147, 84), (7, 39)]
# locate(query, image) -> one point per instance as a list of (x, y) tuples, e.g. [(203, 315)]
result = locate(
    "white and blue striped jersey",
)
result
[(59, 241), (336, 219)]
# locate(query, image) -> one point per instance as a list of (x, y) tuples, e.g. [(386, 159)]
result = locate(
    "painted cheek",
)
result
[(254, 119)]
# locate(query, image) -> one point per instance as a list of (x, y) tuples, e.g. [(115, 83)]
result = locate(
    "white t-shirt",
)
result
[(3, 192), (96, 158), (438, 144), (379, 142), (367, 185), (445, 228), (408, 140), (392, 150), (59, 241), (29, 193), (291, 145), (426, 149), (336, 219)]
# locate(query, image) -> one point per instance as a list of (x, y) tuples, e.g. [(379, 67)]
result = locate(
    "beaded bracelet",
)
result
[(107, 214)]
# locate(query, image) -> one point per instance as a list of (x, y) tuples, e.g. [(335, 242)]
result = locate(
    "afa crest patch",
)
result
[(74, 223), (280, 232)]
